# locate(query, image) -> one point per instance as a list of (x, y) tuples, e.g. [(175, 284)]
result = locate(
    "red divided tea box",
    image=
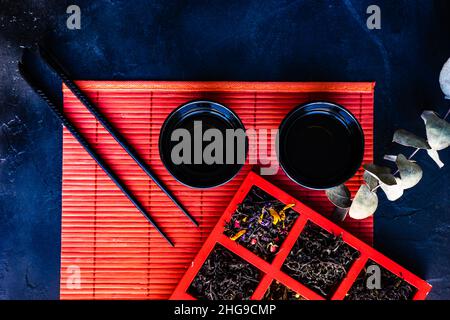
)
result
[(349, 284)]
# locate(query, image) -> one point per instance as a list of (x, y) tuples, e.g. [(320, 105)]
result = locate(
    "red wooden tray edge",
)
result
[(271, 271)]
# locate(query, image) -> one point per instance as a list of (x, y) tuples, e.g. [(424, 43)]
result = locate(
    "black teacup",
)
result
[(201, 174), (321, 145)]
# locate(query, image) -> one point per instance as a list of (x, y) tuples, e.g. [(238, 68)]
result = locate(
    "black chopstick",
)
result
[(68, 124), (52, 62)]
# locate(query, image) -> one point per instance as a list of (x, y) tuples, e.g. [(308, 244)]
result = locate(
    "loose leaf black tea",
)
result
[(225, 276), (261, 223), (319, 260), (392, 287), (278, 291)]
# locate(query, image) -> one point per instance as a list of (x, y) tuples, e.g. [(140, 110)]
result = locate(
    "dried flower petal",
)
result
[(238, 235), (275, 216), (261, 216), (273, 247), (283, 211), (254, 216)]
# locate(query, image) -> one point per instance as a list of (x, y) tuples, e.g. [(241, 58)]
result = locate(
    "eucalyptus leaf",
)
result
[(444, 79), (372, 182), (410, 173), (339, 214), (435, 156), (383, 174), (390, 157), (438, 130), (394, 192), (364, 204), (409, 139), (339, 196)]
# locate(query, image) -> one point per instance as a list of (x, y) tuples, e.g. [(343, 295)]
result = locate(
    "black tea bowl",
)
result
[(199, 173), (321, 145)]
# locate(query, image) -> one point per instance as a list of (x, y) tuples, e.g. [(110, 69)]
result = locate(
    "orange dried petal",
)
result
[(282, 212), (275, 215), (238, 235)]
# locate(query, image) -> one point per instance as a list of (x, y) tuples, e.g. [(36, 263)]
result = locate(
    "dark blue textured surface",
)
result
[(221, 40)]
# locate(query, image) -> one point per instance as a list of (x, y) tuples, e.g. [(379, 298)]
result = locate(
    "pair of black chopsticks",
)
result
[(51, 61)]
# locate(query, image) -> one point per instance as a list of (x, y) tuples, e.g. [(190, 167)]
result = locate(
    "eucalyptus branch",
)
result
[(408, 174), (418, 149), (414, 153)]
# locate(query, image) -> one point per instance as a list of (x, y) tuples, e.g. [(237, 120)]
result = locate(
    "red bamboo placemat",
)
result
[(108, 248)]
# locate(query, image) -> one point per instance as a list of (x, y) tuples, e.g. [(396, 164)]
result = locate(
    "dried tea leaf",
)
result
[(224, 276), (372, 182), (408, 139), (365, 203), (435, 156), (320, 260), (444, 79), (256, 214), (394, 192), (393, 288), (438, 130), (339, 214), (339, 196), (383, 174), (411, 173)]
